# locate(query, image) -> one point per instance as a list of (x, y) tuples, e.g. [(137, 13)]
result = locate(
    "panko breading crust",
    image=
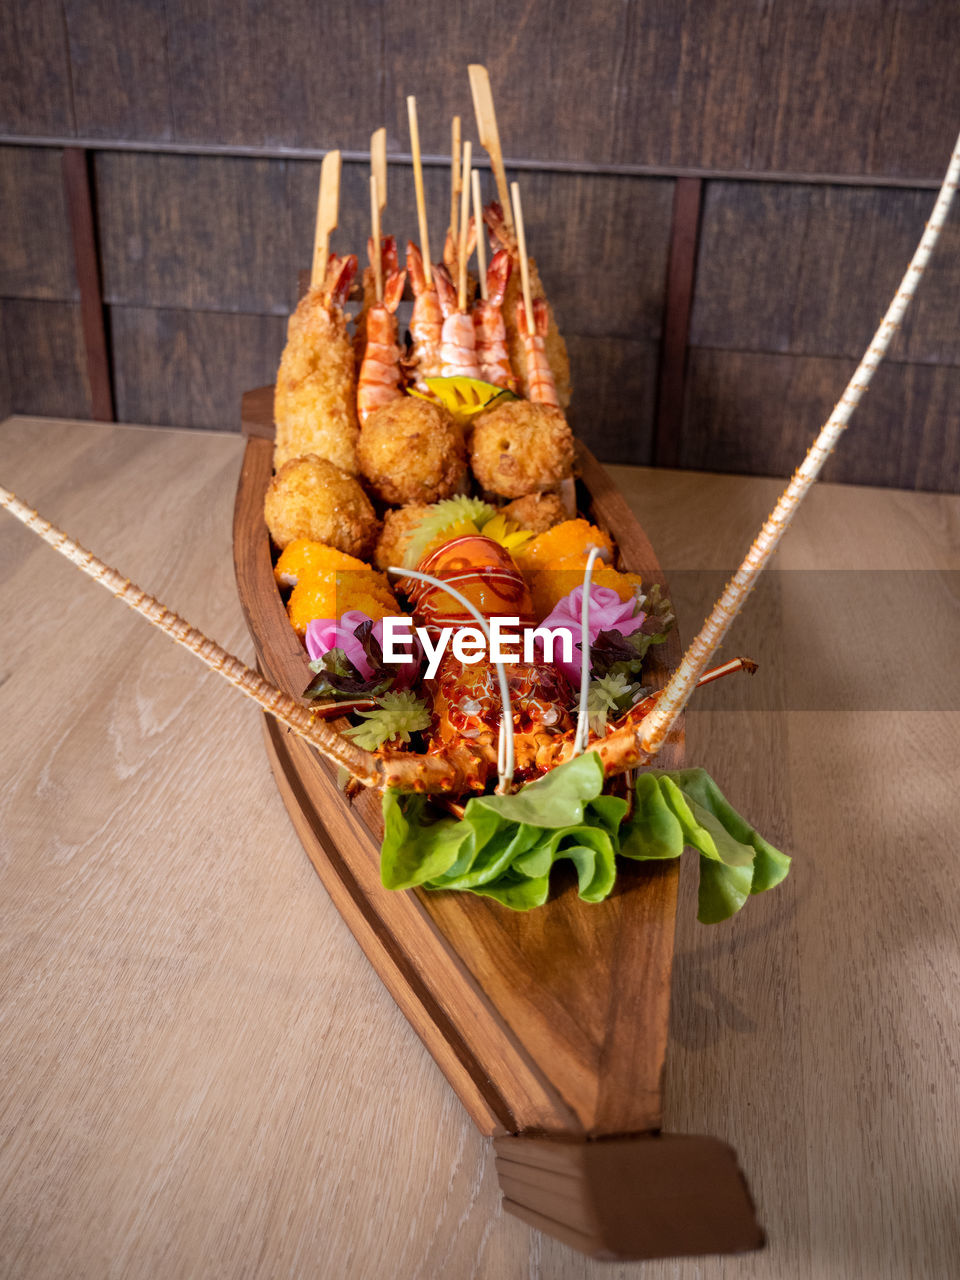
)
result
[(312, 498), (315, 403), (394, 538), (520, 447), (412, 451), (537, 511)]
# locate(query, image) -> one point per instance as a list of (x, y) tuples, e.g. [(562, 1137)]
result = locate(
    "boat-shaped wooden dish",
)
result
[(551, 1025)]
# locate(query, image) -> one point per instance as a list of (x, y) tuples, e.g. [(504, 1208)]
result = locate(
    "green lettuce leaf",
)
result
[(506, 847)]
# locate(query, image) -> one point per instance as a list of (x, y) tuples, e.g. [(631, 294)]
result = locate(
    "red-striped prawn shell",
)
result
[(480, 569)]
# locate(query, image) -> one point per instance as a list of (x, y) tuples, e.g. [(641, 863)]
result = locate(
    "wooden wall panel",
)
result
[(279, 74), (860, 88), (759, 413), (45, 358), (199, 232), (35, 94), (189, 368), (6, 387), (553, 65), (36, 258), (810, 270), (118, 59), (229, 234), (614, 396), (817, 87)]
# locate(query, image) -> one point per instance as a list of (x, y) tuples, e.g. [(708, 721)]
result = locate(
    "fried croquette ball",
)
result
[(411, 451), (537, 512), (398, 526), (311, 498), (521, 447), (315, 402)]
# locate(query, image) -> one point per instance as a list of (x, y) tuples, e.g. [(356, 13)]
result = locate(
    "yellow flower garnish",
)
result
[(462, 397), (507, 532)]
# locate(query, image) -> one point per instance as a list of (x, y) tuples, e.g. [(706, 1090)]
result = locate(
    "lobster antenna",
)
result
[(361, 764), (583, 722), (674, 698)]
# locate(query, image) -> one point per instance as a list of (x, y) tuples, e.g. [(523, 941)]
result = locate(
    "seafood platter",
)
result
[(474, 689)]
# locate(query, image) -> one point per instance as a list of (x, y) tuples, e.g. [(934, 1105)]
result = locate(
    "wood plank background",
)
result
[(817, 130)]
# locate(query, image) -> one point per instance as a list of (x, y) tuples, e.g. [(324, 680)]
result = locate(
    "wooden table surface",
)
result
[(201, 1074)]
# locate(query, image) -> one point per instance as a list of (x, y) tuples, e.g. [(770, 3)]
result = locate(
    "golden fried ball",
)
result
[(411, 451), (521, 447), (311, 498), (537, 512), (398, 526)]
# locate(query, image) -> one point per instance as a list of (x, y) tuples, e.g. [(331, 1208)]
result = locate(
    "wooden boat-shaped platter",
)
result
[(551, 1025)]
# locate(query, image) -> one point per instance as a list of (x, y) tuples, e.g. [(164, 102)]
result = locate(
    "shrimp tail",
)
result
[(446, 290), (496, 225), (498, 275), (389, 259), (393, 288), (338, 278)]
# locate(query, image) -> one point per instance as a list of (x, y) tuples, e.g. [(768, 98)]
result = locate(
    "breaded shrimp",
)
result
[(315, 403)]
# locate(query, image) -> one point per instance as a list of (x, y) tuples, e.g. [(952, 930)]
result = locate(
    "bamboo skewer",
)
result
[(462, 254), (481, 235), (328, 211), (456, 181), (378, 165), (418, 185), (675, 696), (375, 236), (489, 134), (524, 261), (361, 764)]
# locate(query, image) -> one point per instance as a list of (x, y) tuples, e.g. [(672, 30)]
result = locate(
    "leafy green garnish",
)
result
[(505, 847), (398, 715), (443, 515), (615, 654), (337, 678), (610, 693)]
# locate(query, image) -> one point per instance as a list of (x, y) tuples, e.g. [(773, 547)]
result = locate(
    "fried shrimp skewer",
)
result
[(554, 346), (491, 333), (315, 398), (426, 322), (381, 374), (541, 387), (458, 341)]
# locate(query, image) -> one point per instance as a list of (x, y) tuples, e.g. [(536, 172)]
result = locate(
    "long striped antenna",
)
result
[(361, 764), (674, 698)]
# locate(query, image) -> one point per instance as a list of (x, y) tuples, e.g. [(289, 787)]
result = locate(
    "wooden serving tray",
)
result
[(550, 1025)]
